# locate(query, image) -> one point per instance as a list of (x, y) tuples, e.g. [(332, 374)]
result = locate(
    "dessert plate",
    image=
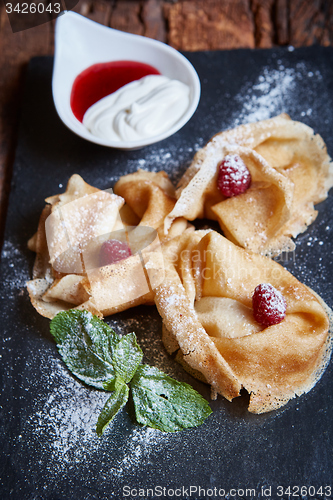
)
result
[(80, 43)]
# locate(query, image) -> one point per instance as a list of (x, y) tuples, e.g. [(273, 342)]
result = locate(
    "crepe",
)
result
[(72, 229), (201, 282), (290, 169), (205, 302), (149, 198)]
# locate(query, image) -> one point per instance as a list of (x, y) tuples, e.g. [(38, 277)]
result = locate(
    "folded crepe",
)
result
[(71, 232), (149, 198), (205, 302), (290, 169)]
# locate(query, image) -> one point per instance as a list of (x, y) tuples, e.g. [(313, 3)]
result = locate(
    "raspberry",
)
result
[(113, 251), (269, 305), (234, 177)]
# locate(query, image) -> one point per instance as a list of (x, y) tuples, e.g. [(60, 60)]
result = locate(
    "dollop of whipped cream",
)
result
[(141, 109)]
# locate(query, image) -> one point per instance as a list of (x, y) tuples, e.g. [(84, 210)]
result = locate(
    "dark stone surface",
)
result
[(48, 447)]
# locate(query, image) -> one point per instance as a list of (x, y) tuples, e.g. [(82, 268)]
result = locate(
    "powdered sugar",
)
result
[(13, 261), (157, 158), (274, 92), (64, 425), (67, 418)]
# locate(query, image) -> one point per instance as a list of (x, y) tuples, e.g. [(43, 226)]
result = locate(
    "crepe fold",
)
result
[(71, 231), (149, 198), (290, 169), (205, 302)]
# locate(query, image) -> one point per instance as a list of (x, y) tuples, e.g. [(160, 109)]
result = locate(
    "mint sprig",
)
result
[(116, 401), (164, 403), (95, 354), (127, 357), (86, 345)]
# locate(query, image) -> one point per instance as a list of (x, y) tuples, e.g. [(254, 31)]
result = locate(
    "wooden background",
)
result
[(189, 25)]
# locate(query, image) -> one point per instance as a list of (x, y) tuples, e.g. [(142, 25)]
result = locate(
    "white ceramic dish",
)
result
[(80, 43)]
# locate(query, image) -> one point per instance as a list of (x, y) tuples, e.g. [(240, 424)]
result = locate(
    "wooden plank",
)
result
[(263, 21), (140, 17), (281, 15), (210, 24), (126, 16), (98, 11), (308, 22), (16, 50), (213, 24), (153, 20)]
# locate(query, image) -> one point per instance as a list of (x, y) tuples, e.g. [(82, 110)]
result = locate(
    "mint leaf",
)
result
[(95, 354), (116, 401), (164, 403), (126, 357), (86, 345)]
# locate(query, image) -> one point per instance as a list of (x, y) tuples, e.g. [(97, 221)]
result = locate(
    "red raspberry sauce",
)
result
[(103, 79)]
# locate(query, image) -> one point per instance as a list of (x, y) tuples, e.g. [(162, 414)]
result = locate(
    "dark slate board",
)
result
[(49, 449)]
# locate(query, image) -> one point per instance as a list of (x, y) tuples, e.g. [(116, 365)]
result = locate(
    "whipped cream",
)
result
[(141, 109)]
